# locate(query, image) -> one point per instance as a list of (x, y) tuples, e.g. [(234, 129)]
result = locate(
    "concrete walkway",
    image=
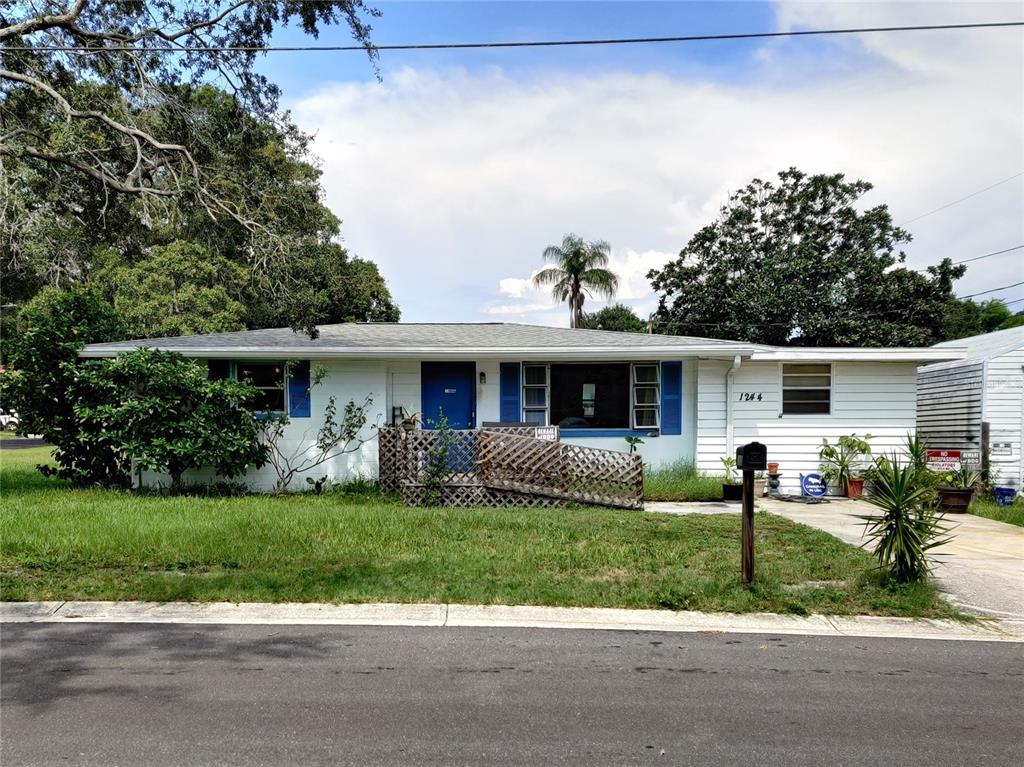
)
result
[(505, 616), (981, 569)]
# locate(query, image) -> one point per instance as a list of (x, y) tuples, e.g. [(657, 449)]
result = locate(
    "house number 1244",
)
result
[(750, 396)]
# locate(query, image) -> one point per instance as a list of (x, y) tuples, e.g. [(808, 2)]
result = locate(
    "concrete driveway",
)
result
[(981, 570)]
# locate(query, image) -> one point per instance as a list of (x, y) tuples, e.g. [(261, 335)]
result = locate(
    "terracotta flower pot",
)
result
[(773, 468), (854, 488)]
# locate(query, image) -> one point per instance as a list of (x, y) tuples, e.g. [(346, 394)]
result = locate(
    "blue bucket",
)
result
[(1005, 495)]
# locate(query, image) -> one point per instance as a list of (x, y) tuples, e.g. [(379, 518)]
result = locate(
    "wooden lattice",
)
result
[(507, 467), (559, 470)]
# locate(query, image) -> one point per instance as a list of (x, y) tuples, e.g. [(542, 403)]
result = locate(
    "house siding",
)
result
[(1004, 412), (950, 404), (953, 400), (867, 397), (875, 398)]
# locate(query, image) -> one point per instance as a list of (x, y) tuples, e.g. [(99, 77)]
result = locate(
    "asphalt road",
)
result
[(21, 443), (192, 694)]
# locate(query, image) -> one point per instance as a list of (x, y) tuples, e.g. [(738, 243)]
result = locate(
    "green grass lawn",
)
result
[(681, 482), (58, 543), (987, 507)]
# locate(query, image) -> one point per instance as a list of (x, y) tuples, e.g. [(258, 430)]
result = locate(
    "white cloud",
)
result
[(454, 182)]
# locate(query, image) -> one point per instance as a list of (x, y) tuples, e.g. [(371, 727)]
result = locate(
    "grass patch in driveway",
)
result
[(988, 508), (59, 543)]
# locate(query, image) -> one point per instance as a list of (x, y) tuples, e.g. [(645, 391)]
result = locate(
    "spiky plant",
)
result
[(908, 527), (578, 271), (916, 448)]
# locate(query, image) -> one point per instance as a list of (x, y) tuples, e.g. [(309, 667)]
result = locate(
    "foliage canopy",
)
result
[(615, 317), (796, 263)]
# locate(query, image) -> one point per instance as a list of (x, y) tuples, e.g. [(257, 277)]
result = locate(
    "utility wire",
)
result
[(993, 253), (993, 290), (513, 44), (978, 258), (955, 202)]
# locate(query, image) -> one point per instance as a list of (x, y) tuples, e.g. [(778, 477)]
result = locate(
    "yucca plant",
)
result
[(908, 527), (916, 448)]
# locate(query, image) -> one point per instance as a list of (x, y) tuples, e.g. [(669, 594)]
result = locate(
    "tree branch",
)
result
[(46, 21)]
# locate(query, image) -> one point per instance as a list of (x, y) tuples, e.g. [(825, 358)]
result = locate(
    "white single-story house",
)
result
[(688, 398), (959, 401)]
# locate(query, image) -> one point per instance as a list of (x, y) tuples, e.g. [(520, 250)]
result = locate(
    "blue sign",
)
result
[(813, 485)]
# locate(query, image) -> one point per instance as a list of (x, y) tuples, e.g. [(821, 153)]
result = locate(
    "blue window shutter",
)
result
[(671, 398), (510, 410), (298, 390)]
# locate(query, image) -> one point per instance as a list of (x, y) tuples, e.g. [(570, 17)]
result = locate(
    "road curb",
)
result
[(506, 616)]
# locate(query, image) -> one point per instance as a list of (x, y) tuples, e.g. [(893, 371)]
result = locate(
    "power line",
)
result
[(511, 44), (978, 258), (993, 290), (987, 255), (955, 202)]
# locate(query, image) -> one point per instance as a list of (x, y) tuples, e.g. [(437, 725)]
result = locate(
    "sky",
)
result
[(456, 169)]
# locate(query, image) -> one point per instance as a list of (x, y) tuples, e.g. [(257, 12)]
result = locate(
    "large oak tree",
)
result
[(797, 262), (126, 126)]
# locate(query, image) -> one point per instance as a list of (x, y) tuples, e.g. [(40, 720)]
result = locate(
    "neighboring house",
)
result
[(956, 399), (688, 398)]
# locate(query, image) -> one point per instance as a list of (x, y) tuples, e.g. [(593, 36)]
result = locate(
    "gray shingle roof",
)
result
[(412, 336)]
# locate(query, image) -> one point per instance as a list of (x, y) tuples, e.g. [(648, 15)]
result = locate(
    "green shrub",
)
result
[(163, 412), (681, 481), (41, 384)]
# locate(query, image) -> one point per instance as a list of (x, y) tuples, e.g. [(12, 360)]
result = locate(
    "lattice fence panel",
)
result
[(469, 496), (501, 467), (556, 469), (390, 446)]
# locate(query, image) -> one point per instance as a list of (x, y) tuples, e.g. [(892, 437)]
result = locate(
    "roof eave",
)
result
[(436, 352), (860, 354)]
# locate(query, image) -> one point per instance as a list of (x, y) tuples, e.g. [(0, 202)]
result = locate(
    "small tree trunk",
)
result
[(176, 472)]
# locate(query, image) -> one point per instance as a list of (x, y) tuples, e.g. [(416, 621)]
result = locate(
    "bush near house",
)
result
[(162, 411), (57, 542)]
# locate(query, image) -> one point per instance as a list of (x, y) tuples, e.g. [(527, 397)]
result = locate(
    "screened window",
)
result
[(535, 394), (806, 389), (646, 396), (268, 378), (218, 370)]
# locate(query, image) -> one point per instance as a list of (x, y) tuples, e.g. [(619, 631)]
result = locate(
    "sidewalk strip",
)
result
[(505, 616)]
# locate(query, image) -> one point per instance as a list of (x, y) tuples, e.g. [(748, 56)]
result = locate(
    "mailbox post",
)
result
[(749, 458)]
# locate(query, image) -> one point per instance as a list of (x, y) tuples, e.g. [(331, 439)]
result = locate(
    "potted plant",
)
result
[(731, 489), (841, 463), (956, 493), (410, 421)]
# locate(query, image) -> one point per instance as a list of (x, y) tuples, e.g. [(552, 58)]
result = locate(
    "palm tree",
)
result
[(578, 272)]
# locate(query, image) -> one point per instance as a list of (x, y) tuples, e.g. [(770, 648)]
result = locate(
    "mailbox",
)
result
[(752, 456)]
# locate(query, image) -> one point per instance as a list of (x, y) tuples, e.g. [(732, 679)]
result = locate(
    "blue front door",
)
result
[(449, 388)]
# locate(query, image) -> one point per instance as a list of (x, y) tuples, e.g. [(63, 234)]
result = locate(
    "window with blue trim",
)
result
[(268, 378), (646, 396), (592, 395)]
